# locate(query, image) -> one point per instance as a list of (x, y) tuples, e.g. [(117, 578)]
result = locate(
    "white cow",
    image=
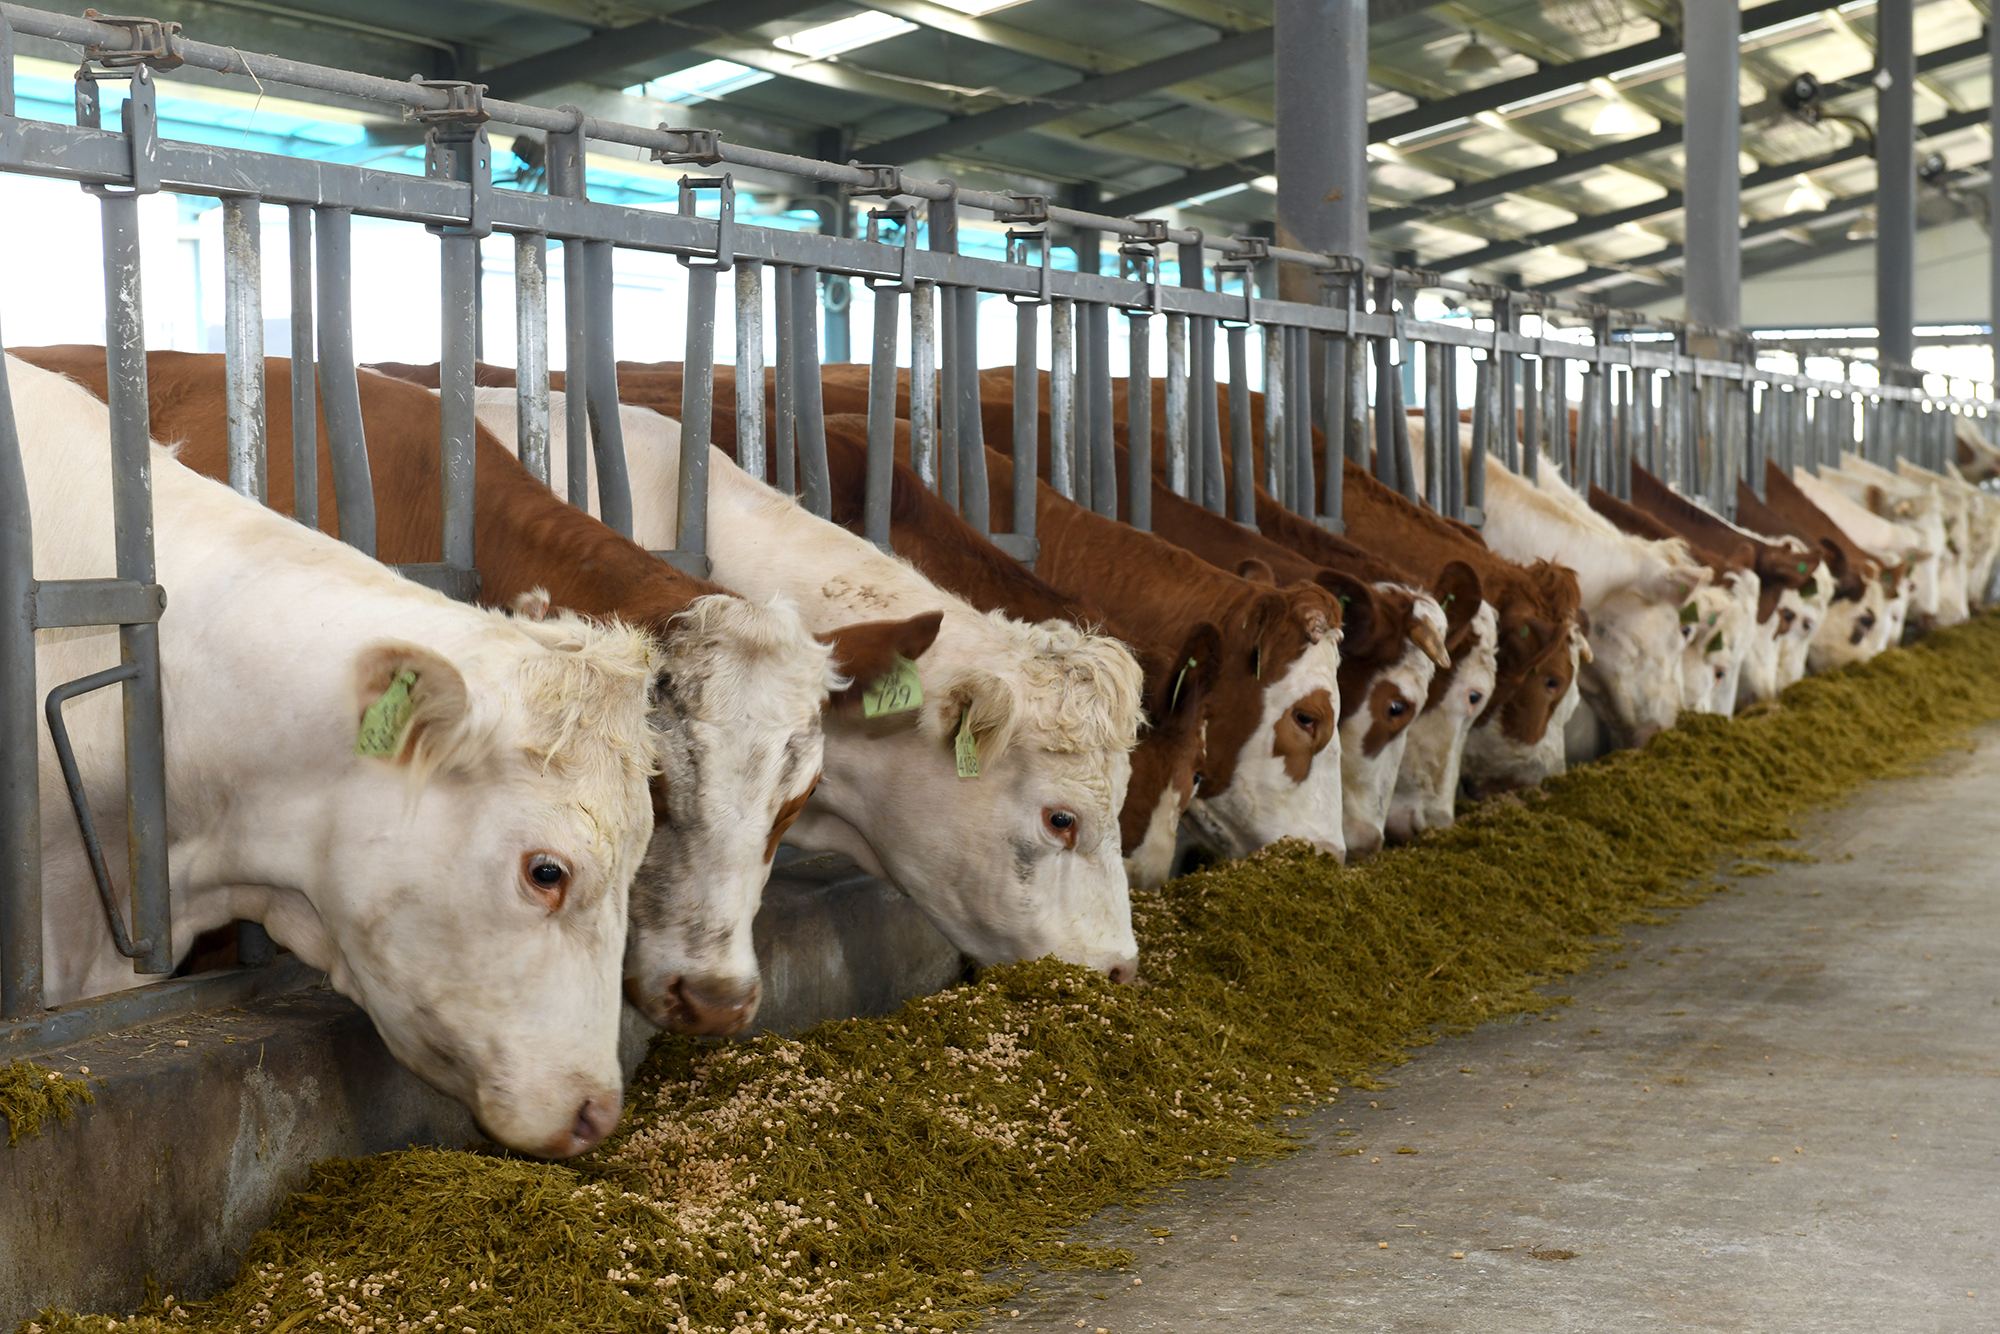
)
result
[(1891, 543), (1633, 591), (468, 888), (1019, 862), (1427, 783), (1979, 529), (1938, 592)]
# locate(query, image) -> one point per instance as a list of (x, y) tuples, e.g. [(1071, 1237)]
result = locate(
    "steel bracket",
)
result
[(905, 218), (64, 603), (725, 222), (1017, 253), (1155, 233), (1028, 210), (456, 148), (1142, 258), (694, 147), (465, 103), (885, 180), (142, 126), (154, 43)]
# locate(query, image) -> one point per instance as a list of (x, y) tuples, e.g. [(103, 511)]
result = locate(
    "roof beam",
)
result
[(1194, 183), (615, 49), (1561, 168), (965, 131)]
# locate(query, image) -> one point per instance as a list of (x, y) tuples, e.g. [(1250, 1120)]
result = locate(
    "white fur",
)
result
[(403, 880), (1062, 708), (1368, 782), (1426, 793), (1262, 804)]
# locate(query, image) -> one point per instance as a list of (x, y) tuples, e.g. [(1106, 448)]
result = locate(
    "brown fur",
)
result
[(1788, 512), (1777, 566)]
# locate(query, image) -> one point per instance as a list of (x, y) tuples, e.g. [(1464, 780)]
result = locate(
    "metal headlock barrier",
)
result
[(1702, 421)]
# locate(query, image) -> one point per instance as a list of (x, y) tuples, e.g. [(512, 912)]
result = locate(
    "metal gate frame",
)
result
[(1701, 421)]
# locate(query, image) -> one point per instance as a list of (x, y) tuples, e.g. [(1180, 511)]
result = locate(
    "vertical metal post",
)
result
[(974, 501), (243, 343), (1177, 405), (1209, 404), (132, 528), (1434, 428), (1103, 461), (1454, 462), (1242, 462), (1712, 36), (339, 390), (1083, 475), (1621, 459), (458, 417), (1333, 389), (1139, 423), (816, 487), (305, 399), (1483, 389), (1299, 366), (1895, 190), (1531, 418), (1321, 56), (1277, 478), (924, 383), (1062, 405), (20, 735), (566, 181), (531, 351), (1385, 453), (750, 428), (1508, 369), (1356, 397), (1474, 503), (784, 433), (882, 414), (1026, 457), (1399, 430), (697, 404), (607, 431)]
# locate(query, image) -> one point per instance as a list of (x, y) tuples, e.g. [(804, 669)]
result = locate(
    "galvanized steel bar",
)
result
[(1454, 461), (531, 351), (243, 344), (1242, 461), (1333, 440), (458, 418), (1355, 396), (690, 552), (132, 539), (576, 369), (1434, 428), (974, 500), (924, 383), (305, 396), (607, 431), (20, 735), (1385, 454), (1399, 438), (1299, 366), (949, 455), (784, 432), (1474, 495), (339, 389), (1276, 476), (751, 430), (1084, 474), (1176, 405), (1531, 418), (1062, 406), (815, 487), (1027, 411), (1103, 443), (1139, 422), (1209, 401), (882, 417), (1482, 407)]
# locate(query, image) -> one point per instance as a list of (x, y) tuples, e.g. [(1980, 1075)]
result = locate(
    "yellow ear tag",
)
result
[(966, 748), (894, 691), (387, 719)]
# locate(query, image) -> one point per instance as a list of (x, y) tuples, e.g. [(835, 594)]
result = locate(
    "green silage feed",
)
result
[(869, 1174), (30, 1094)]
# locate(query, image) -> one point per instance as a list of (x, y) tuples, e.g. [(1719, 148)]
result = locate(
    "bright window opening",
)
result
[(858, 30), (699, 83)]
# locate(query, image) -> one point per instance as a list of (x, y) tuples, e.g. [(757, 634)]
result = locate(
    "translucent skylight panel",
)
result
[(700, 83), (851, 33)]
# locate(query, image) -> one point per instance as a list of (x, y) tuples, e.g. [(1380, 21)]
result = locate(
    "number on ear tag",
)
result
[(387, 719), (966, 749), (894, 691)]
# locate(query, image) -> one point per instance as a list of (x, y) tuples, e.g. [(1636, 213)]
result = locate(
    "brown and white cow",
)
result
[(1858, 622), (737, 702)]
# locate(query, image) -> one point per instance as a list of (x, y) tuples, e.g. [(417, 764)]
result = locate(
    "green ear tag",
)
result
[(1712, 615), (966, 748), (1173, 700), (1689, 615), (387, 719), (1257, 662), (1803, 567), (894, 691), (1524, 632), (1811, 589), (1714, 644)]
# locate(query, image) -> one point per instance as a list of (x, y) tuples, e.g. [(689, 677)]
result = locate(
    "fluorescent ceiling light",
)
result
[(699, 83), (1616, 118), (1268, 184), (857, 30), (978, 7), (1806, 198)]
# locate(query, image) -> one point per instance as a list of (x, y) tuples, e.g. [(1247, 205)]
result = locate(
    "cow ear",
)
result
[(1458, 595), (1190, 675), (1256, 571), (973, 720), (410, 705), (1358, 619), (865, 650)]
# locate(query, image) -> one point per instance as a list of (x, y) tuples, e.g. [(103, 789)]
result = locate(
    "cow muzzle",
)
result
[(709, 1007), (595, 1118)]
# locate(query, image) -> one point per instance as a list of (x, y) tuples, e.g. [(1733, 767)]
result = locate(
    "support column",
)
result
[(1714, 137), (1993, 194), (1895, 189), (1322, 119)]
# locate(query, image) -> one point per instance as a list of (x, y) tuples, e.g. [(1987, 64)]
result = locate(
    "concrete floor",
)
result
[(1780, 1112)]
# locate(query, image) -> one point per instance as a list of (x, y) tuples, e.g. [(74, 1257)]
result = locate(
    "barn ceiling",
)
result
[(1547, 156)]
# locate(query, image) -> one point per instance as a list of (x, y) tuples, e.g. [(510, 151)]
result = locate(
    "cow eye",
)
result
[(1199, 779), (1062, 824), (1719, 673), (548, 877), (1305, 720), (1473, 697), (1788, 616), (1398, 707), (1553, 684), (1808, 627)]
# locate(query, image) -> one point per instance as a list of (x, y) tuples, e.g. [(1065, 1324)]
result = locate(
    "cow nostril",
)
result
[(595, 1119), (717, 1008), (1123, 973)]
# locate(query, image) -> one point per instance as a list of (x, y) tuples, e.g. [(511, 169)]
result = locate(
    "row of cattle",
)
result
[(486, 824)]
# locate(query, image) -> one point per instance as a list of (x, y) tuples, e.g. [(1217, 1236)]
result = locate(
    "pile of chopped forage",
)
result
[(30, 1094), (867, 1175)]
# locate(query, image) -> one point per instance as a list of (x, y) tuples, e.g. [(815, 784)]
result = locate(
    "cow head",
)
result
[(738, 704), (995, 805), (1427, 783), (1633, 678), (1167, 766), (1273, 747), (476, 862), (1715, 638), (1392, 647)]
